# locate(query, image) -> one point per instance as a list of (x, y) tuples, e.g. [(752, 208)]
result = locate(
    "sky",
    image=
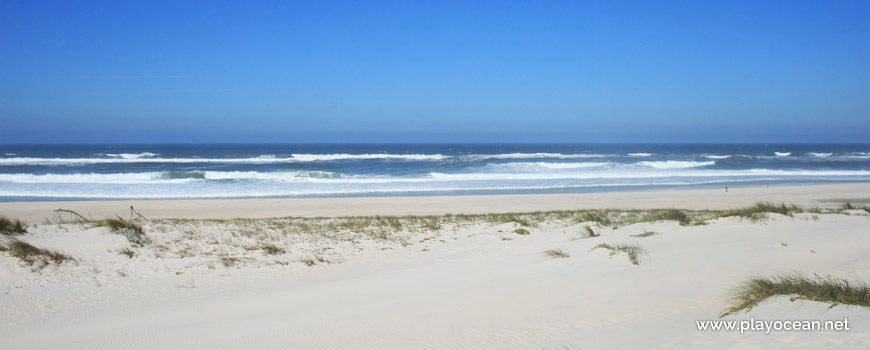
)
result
[(441, 71)]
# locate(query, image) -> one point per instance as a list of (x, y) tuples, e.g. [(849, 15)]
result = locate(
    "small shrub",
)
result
[(594, 216), (759, 211), (229, 261), (850, 206), (12, 227), (828, 289), (645, 234), (670, 214), (127, 251), (29, 253), (521, 231), (134, 232), (557, 253), (632, 251), (590, 232), (267, 248)]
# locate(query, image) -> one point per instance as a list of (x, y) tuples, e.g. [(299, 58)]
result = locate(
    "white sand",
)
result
[(806, 196), (467, 288)]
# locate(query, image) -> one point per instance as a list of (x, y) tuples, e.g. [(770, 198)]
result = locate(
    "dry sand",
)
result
[(806, 196), (478, 286)]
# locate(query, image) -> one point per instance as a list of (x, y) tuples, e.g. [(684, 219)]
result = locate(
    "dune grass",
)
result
[(827, 289), (601, 217), (120, 224), (522, 231), (12, 226), (633, 251), (850, 206), (127, 251), (669, 214), (590, 232), (759, 211), (645, 234), (30, 254), (557, 253), (267, 248), (133, 231)]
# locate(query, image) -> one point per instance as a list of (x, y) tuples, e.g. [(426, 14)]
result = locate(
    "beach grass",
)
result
[(127, 251), (590, 232), (850, 206), (829, 289), (134, 232), (12, 226), (557, 253), (669, 214), (645, 234), (760, 210), (30, 254), (633, 251)]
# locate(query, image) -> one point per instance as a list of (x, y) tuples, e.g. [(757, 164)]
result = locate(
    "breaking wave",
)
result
[(676, 164)]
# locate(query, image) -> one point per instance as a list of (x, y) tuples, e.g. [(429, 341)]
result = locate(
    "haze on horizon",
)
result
[(518, 71)]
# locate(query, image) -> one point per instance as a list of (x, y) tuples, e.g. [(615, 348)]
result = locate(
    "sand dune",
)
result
[(476, 285)]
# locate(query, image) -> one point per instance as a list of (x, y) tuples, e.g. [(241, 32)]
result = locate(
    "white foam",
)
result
[(130, 155), (782, 154), (713, 156), (639, 154), (69, 161), (538, 155), (555, 165), (117, 178), (820, 155), (344, 156), (263, 159), (675, 164)]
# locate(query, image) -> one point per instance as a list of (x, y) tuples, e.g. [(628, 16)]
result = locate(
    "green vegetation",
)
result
[(601, 217), (30, 254), (268, 248), (645, 234), (12, 227), (557, 253), (760, 210), (133, 231), (521, 231), (633, 251), (127, 251), (669, 214), (828, 289), (589, 231), (850, 206)]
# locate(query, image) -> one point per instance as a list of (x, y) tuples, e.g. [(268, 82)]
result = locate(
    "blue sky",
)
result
[(464, 71)]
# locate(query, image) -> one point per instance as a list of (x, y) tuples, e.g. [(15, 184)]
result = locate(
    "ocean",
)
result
[(157, 171)]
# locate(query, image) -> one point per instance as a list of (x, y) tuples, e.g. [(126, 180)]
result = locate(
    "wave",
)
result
[(72, 161), (675, 164), (129, 155), (782, 154), (250, 193), (538, 155), (713, 156), (263, 159), (639, 154), (344, 156), (325, 177), (555, 165), (820, 155)]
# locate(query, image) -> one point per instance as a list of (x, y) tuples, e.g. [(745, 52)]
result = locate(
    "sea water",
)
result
[(81, 172)]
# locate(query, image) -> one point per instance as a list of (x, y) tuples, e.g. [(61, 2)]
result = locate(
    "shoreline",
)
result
[(829, 195)]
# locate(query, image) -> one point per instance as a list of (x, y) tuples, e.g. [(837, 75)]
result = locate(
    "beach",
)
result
[(525, 271)]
